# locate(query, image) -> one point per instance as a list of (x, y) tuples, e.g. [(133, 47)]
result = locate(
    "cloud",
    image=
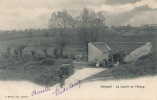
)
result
[(21, 18), (21, 14), (145, 17), (115, 9), (115, 2), (132, 17), (126, 13), (51, 4), (150, 3)]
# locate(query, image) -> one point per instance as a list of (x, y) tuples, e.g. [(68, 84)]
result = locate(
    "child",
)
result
[(97, 64)]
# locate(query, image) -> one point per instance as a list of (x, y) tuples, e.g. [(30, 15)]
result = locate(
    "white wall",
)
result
[(94, 53)]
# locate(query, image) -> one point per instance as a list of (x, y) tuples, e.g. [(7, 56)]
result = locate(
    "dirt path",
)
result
[(81, 74)]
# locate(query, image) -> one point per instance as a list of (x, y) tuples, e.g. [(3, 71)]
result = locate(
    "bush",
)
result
[(66, 56), (48, 61), (67, 69), (63, 61), (39, 58), (91, 63)]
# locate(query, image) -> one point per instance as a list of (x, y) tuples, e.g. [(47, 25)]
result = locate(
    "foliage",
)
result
[(48, 61), (61, 23), (89, 25)]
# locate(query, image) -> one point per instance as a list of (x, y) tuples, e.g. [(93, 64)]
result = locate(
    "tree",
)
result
[(89, 25), (61, 24)]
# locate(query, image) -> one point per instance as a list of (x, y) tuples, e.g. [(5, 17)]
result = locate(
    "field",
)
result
[(74, 45)]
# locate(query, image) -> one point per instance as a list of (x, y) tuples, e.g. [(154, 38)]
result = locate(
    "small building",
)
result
[(98, 51)]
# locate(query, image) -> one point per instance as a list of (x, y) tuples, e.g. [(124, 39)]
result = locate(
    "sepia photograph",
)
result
[(78, 49)]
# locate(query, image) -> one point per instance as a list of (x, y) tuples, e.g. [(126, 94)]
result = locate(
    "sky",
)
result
[(35, 14)]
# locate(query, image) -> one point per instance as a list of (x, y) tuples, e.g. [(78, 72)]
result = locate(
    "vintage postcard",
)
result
[(78, 49)]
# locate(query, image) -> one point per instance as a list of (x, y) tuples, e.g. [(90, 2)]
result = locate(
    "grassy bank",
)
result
[(43, 71), (144, 66)]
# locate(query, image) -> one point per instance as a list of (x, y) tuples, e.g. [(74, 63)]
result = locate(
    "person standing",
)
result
[(104, 63), (16, 52), (8, 51), (62, 78)]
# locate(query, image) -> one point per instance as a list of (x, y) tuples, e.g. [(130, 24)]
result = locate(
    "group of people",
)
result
[(108, 63), (17, 51)]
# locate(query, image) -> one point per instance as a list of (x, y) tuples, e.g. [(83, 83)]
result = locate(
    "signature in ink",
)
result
[(35, 92), (59, 91)]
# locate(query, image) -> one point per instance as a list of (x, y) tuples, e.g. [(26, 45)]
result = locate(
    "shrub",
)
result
[(92, 63), (63, 61), (39, 58), (48, 61), (66, 56), (67, 69)]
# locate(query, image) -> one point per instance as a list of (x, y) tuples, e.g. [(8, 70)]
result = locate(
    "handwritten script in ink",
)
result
[(59, 91), (35, 92)]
